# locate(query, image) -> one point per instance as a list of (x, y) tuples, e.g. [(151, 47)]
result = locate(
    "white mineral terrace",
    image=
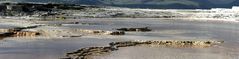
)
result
[(61, 37)]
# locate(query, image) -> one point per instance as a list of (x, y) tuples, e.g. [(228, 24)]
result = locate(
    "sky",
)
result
[(162, 4)]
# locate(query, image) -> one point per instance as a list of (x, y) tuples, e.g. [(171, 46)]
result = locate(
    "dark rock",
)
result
[(72, 36), (145, 29), (26, 9), (114, 33)]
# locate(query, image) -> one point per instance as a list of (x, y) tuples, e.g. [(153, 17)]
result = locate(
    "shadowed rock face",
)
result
[(4, 35), (87, 53)]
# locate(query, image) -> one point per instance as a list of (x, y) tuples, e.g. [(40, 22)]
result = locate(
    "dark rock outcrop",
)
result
[(114, 33), (145, 29), (29, 9)]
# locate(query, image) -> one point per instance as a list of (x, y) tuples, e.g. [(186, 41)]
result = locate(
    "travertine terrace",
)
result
[(88, 53), (71, 31)]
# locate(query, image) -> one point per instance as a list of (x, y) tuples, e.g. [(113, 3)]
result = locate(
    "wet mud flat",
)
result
[(150, 36)]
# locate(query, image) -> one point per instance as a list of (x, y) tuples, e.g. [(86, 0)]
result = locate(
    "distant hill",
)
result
[(169, 4)]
